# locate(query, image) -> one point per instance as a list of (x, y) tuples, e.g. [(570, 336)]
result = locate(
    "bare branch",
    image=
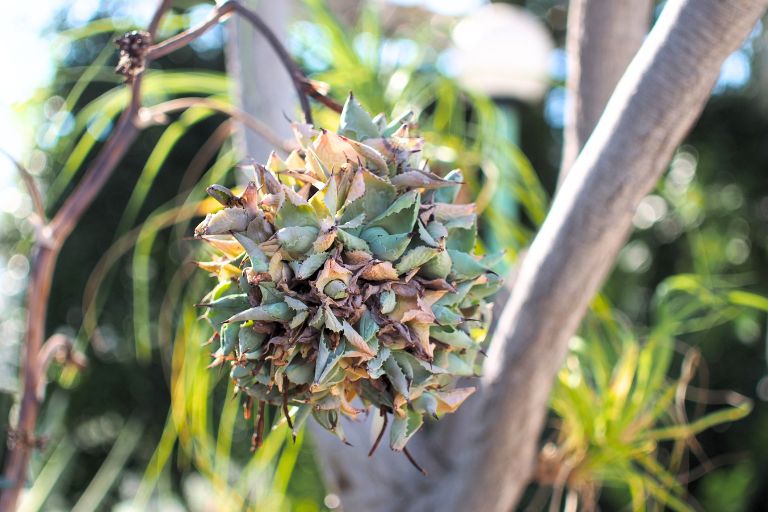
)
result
[(182, 39), (157, 17), (154, 114), (602, 38), (41, 277), (100, 170)]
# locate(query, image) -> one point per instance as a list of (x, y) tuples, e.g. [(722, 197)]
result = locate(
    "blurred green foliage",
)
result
[(148, 425)]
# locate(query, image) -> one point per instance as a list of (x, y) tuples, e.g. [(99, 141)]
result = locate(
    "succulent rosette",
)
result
[(347, 279)]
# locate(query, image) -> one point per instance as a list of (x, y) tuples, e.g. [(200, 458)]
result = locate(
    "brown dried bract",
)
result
[(133, 49)]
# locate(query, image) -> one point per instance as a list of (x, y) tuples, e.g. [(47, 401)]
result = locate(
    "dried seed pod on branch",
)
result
[(348, 272)]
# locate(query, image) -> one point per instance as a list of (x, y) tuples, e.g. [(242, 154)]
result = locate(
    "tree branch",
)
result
[(154, 113), (39, 289), (185, 37), (220, 12), (654, 105), (602, 38)]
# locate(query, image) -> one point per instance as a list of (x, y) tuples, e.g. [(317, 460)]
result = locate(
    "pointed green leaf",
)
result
[(327, 359), (292, 215), (367, 326), (400, 217), (404, 428), (259, 261), (300, 371), (396, 123), (426, 404), (311, 265), (415, 257), (331, 322), (464, 266), (249, 340), (299, 319), (355, 122), (396, 376), (388, 301), (294, 304), (387, 247), (277, 312), (375, 366), (297, 240), (318, 320), (351, 242), (448, 194), (438, 267), (451, 336)]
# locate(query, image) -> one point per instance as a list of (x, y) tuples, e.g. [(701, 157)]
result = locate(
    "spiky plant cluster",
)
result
[(347, 272)]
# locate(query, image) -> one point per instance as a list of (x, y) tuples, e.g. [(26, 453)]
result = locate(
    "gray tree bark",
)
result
[(261, 85), (603, 36)]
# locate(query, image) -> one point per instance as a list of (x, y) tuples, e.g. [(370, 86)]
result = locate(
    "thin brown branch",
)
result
[(286, 413), (184, 38), (155, 113), (384, 422), (413, 461), (311, 89), (29, 182), (39, 289), (297, 76), (17, 461), (100, 170), (164, 7)]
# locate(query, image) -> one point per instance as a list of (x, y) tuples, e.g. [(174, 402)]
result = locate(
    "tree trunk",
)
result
[(261, 85), (603, 36)]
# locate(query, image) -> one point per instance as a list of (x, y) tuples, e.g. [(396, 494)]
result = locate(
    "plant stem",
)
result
[(43, 267)]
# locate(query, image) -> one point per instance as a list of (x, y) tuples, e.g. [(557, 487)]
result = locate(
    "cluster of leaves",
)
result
[(348, 272), (621, 420)]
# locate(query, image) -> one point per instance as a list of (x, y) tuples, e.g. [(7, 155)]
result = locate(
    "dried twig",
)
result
[(384, 422), (312, 88)]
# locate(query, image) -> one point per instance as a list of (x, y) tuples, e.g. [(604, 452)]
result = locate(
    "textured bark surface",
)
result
[(603, 36)]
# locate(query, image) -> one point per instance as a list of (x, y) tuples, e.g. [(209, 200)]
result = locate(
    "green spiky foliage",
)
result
[(347, 271)]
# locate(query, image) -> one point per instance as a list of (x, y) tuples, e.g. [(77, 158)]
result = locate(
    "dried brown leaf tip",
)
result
[(347, 279), (133, 48)]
